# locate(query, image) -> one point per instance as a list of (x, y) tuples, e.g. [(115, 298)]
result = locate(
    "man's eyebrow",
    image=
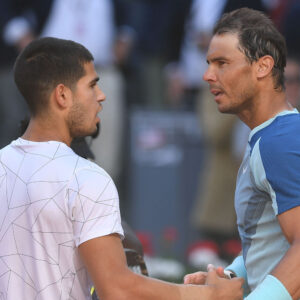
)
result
[(218, 58), (94, 80)]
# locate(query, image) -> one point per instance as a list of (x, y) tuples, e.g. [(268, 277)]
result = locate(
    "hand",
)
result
[(222, 288), (200, 277), (195, 278)]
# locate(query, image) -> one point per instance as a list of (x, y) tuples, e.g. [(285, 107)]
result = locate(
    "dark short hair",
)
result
[(45, 63), (257, 37)]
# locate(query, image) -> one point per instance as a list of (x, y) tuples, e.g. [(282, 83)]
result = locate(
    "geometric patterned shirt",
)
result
[(268, 184), (51, 201)]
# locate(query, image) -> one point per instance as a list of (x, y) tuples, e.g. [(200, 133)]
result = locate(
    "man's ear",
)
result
[(63, 96), (264, 66)]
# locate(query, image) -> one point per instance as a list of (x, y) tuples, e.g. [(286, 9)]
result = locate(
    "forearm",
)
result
[(106, 263), (288, 270), (133, 286), (239, 269), (284, 281)]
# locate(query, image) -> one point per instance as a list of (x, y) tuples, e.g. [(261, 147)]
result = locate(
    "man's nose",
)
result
[(209, 75), (101, 96)]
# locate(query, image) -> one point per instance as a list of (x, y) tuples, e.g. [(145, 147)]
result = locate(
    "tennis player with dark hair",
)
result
[(60, 225), (246, 60)]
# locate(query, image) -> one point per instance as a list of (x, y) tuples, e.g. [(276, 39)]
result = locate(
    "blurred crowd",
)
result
[(150, 54)]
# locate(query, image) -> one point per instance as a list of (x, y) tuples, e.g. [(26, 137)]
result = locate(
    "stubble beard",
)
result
[(76, 122), (245, 102)]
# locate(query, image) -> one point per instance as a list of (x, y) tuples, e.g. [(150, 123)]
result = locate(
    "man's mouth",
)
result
[(216, 92)]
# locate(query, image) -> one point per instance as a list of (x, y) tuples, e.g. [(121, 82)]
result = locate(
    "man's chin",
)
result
[(226, 110), (96, 131), (93, 133), (222, 109)]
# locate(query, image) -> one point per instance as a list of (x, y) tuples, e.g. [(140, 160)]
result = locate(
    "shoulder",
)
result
[(275, 153), (90, 179), (8, 157), (281, 139), (88, 168), (1, 163), (275, 161), (5, 149)]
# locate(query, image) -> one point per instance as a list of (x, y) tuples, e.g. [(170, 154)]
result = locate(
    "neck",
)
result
[(264, 108), (40, 130)]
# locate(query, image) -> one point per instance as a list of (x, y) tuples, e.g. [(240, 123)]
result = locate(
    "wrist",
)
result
[(229, 274), (270, 288), (238, 268), (189, 291)]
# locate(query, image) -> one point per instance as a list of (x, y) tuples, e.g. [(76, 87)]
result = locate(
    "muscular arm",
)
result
[(288, 270), (106, 263), (284, 281), (275, 170)]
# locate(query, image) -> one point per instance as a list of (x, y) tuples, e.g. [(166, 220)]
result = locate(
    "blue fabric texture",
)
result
[(270, 288), (279, 150), (268, 184)]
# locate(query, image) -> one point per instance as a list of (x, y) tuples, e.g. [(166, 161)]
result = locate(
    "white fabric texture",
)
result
[(51, 200)]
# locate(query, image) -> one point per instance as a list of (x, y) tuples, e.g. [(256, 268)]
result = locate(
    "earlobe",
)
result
[(264, 66)]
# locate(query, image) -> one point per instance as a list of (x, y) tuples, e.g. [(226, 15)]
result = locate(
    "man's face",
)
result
[(87, 98), (229, 74)]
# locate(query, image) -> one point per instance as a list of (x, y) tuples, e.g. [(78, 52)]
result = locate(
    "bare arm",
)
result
[(288, 270), (200, 277), (106, 263), (284, 281)]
